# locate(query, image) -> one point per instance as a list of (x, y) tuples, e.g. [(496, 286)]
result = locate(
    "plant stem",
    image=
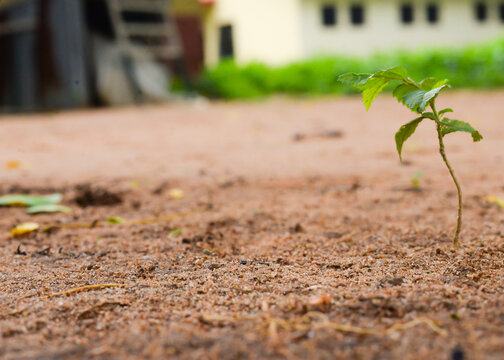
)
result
[(452, 173)]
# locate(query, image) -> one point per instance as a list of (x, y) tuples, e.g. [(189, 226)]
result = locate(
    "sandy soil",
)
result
[(298, 236)]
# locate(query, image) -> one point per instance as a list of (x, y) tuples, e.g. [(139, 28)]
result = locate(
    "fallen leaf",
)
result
[(25, 228), (47, 208), (175, 232), (13, 164), (29, 200), (176, 194), (496, 200), (116, 220)]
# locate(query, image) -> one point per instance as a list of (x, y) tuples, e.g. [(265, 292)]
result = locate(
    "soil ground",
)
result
[(298, 236)]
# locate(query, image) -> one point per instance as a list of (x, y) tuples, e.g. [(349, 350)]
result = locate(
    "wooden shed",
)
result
[(74, 53)]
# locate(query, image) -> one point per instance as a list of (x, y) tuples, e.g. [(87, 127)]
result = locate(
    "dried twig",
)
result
[(82, 289), (97, 223), (94, 309), (416, 322), (273, 325), (14, 312), (304, 323), (214, 319)]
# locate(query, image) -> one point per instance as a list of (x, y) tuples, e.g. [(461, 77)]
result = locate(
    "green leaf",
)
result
[(47, 208), (413, 100), (29, 200), (354, 79), (175, 232), (404, 133), (371, 89), (441, 83), (449, 126), (403, 89), (395, 73), (444, 111), (431, 83), (427, 84), (432, 94), (419, 99), (116, 220), (372, 85), (415, 180)]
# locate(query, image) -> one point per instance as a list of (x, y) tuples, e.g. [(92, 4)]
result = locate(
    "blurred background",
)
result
[(60, 54)]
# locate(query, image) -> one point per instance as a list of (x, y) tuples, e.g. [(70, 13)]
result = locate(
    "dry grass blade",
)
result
[(14, 312), (214, 319), (163, 219), (305, 323), (416, 322), (82, 289), (105, 223), (96, 309)]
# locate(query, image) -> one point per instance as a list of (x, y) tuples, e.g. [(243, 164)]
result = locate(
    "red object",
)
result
[(191, 35), (207, 2)]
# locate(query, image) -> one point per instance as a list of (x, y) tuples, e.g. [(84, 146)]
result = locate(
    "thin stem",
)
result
[(452, 173)]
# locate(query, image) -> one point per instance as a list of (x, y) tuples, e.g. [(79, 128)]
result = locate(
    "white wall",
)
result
[(281, 31), (383, 29), (264, 30)]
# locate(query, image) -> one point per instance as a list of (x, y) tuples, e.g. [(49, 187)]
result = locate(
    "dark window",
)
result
[(98, 19), (501, 12), (481, 11), (142, 17), (357, 14), (329, 15), (407, 13), (226, 49), (432, 13)]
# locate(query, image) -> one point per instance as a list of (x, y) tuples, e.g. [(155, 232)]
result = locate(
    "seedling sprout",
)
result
[(417, 97)]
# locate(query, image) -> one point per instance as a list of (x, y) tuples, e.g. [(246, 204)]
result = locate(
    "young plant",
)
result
[(415, 180), (417, 97)]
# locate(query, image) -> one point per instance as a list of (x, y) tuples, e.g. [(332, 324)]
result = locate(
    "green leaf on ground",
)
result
[(496, 200), (404, 133), (449, 126), (47, 208), (116, 220), (415, 180), (29, 200), (175, 232)]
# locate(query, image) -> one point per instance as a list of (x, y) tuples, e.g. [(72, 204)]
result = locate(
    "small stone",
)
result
[(319, 300)]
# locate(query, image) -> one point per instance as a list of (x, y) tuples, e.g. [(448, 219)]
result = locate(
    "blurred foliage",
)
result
[(477, 66)]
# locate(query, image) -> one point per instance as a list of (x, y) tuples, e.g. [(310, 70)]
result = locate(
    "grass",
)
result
[(477, 66)]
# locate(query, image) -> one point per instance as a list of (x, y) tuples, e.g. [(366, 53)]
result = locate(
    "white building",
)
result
[(281, 31)]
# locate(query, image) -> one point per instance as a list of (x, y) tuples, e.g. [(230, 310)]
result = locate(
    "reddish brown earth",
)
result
[(352, 264)]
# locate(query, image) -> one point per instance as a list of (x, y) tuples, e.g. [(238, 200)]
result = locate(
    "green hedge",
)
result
[(478, 66)]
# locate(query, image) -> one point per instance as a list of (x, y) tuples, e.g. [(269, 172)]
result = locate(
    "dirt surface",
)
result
[(298, 236)]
